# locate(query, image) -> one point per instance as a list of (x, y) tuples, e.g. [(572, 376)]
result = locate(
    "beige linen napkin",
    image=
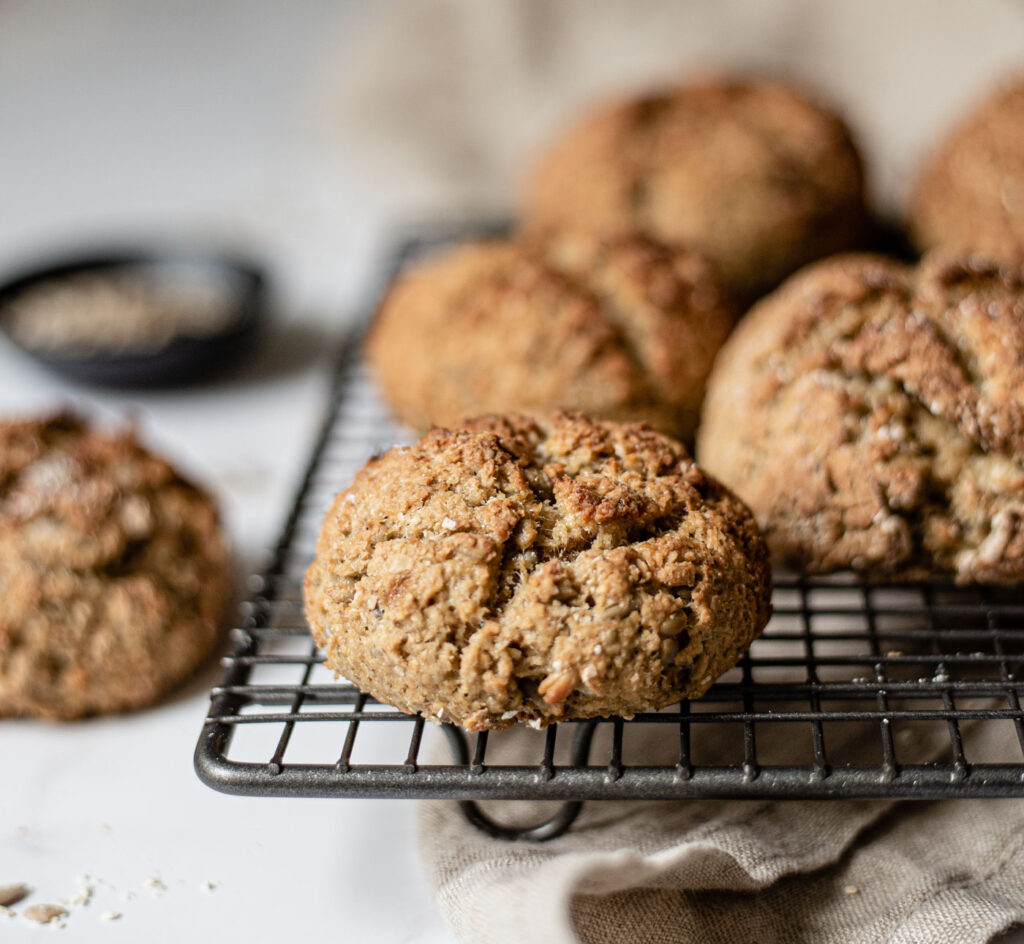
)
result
[(729, 871)]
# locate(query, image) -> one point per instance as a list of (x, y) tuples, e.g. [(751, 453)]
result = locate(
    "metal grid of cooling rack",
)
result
[(909, 691)]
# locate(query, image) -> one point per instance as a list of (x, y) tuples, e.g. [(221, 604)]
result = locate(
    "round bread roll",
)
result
[(754, 175), (623, 328), (114, 576), (872, 415), (521, 570), (970, 195)]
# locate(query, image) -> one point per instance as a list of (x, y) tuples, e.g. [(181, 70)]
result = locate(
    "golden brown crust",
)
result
[(872, 414), (754, 175), (522, 570), (623, 328), (970, 194), (114, 575)]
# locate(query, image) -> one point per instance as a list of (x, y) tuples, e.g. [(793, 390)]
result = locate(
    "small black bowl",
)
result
[(182, 359)]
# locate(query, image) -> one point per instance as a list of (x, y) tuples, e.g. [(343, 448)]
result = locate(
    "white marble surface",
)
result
[(123, 120)]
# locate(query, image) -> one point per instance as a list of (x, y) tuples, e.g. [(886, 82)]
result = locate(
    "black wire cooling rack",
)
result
[(904, 691)]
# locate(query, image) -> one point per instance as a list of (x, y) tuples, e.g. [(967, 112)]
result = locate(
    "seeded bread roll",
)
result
[(970, 194), (521, 570), (623, 328), (754, 175), (114, 575), (872, 415)]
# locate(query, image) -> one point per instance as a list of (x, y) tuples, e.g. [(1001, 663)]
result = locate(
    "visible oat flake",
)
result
[(82, 897), (44, 914), (12, 894)]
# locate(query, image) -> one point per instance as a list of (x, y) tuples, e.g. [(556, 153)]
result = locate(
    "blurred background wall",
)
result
[(450, 96), (305, 128)]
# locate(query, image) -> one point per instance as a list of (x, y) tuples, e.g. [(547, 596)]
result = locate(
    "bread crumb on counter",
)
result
[(44, 914), (13, 893)]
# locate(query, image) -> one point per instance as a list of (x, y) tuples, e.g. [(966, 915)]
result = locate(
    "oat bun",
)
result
[(970, 193), (624, 328), (522, 570), (753, 174), (872, 415), (114, 574)]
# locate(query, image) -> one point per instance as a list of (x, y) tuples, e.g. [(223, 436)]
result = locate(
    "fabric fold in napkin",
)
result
[(728, 871)]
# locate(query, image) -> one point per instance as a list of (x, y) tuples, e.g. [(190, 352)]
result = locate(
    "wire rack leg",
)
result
[(551, 828)]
